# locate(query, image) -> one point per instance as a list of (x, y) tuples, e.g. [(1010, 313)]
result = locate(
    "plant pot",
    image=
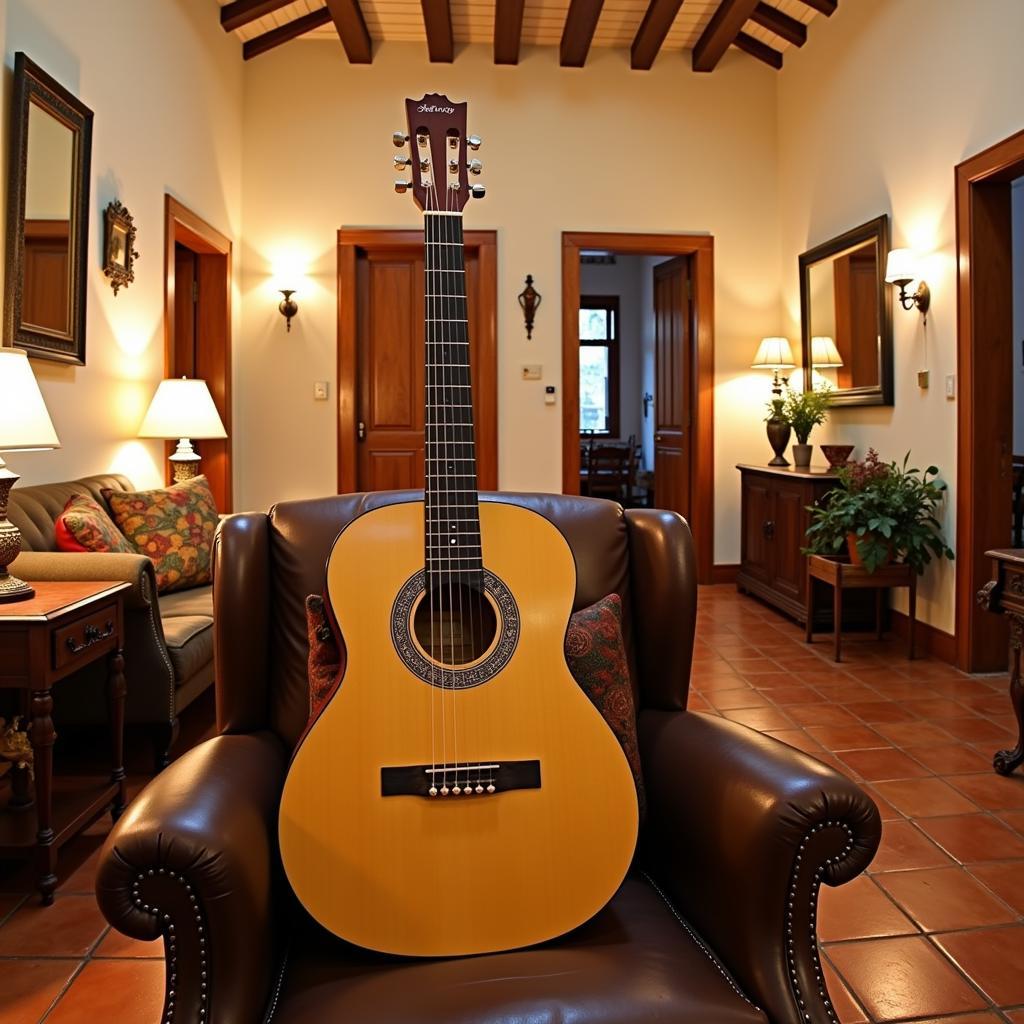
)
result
[(837, 454), (855, 559), (802, 455), (778, 437)]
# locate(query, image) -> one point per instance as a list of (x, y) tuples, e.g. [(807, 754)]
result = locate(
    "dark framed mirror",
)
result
[(846, 315), (47, 217)]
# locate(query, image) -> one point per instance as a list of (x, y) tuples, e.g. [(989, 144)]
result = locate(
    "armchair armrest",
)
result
[(742, 831), (50, 566), (193, 860)]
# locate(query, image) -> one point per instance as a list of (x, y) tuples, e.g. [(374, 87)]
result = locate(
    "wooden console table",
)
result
[(1005, 595), (43, 639), (842, 575)]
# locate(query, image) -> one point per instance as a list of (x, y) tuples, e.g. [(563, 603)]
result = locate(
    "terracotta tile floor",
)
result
[(932, 933)]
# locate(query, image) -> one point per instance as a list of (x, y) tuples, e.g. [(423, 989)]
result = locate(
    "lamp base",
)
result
[(11, 588), (185, 461)]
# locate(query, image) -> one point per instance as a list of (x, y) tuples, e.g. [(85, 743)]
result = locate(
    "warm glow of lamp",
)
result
[(183, 408), (25, 426), (824, 352), (900, 270), (773, 354)]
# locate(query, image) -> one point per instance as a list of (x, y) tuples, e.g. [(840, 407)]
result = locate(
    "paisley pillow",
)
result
[(85, 526), (594, 652), (174, 527)]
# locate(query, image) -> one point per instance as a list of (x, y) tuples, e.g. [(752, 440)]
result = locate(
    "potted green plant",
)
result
[(803, 411), (880, 511)]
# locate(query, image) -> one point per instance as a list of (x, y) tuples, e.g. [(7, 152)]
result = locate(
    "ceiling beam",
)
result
[(721, 32), (652, 31), (782, 25), (762, 51), (580, 22), (508, 31), (826, 7), (437, 20), (350, 25), (292, 30), (241, 12)]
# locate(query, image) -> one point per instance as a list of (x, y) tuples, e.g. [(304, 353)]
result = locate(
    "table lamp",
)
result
[(775, 354), (25, 426), (824, 353), (183, 408)]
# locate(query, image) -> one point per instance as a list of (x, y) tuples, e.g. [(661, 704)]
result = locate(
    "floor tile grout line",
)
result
[(60, 995)]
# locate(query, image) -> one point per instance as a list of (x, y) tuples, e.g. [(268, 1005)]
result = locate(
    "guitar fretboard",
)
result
[(452, 511)]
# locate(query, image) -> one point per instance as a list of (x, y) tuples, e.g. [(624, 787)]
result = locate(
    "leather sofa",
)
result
[(169, 643), (716, 925)]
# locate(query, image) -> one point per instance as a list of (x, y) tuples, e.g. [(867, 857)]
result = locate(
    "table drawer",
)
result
[(72, 641)]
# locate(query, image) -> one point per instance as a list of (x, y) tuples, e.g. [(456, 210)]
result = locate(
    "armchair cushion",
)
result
[(189, 643), (85, 526)]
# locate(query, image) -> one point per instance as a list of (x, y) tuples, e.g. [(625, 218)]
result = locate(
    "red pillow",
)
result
[(85, 526)]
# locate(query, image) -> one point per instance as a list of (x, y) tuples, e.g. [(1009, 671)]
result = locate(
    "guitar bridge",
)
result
[(484, 778)]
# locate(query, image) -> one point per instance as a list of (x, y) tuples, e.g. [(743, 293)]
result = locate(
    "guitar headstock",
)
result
[(437, 154)]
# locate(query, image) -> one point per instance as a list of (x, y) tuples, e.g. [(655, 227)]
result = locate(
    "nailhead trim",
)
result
[(812, 924), (172, 942), (698, 941)]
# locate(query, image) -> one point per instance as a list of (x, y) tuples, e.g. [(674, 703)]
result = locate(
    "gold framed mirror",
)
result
[(846, 315), (47, 217)]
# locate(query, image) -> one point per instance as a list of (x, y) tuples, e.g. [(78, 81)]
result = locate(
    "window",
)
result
[(599, 365)]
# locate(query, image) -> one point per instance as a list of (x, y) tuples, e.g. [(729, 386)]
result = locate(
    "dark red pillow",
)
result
[(85, 526), (594, 652)]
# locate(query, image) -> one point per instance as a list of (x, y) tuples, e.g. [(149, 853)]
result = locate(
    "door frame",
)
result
[(185, 226), (485, 245), (984, 318), (701, 250)]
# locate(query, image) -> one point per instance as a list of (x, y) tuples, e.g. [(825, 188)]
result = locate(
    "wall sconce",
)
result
[(900, 270), (529, 300), (287, 307)]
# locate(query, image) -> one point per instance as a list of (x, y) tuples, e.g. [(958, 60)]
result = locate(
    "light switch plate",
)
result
[(532, 371), (951, 385), (922, 379), (320, 390)]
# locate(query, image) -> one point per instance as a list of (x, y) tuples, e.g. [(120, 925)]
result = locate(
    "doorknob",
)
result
[(657, 437), (361, 430)]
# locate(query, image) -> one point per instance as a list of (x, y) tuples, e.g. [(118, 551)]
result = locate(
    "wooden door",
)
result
[(756, 503), (789, 566), (673, 376), (384, 372)]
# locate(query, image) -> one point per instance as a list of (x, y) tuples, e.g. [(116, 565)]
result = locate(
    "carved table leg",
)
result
[(1005, 761), (43, 736), (116, 690)]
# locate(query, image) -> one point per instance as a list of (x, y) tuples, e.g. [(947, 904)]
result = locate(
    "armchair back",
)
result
[(265, 565)]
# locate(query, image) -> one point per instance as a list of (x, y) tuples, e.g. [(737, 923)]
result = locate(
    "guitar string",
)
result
[(429, 498)]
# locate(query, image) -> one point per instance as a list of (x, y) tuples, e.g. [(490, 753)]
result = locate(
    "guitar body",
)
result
[(439, 875)]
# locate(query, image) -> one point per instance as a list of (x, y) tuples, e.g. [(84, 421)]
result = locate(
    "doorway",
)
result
[(381, 357), (987, 363), (674, 390), (197, 327)]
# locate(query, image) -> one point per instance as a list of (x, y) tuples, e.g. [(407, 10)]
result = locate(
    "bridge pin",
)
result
[(479, 788), (433, 791), (456, 790), (444, 791), (490, 788)]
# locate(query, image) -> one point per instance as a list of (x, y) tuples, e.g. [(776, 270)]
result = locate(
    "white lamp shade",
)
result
[(900, 267), (25, 424), (824, 352), (182, 407), (773, 354)]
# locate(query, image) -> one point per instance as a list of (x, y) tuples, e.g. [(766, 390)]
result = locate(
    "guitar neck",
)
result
[(452, 510)]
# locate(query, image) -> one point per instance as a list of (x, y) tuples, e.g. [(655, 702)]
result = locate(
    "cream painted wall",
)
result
[(603, 149), (874, 113), (165, 85)]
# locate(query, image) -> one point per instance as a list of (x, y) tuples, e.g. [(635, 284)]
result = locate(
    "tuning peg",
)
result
[(474, 141), (477, 191), (475, 166), (402, 186), (402, 161), (399, 139)]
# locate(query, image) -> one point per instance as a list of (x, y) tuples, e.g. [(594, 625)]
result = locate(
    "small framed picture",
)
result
[(119, 253)]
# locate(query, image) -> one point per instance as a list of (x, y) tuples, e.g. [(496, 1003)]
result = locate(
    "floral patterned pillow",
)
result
[(85, 526), (174, 527)]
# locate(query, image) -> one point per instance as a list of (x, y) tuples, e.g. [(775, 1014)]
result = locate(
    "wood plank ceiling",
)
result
[(704, 28)]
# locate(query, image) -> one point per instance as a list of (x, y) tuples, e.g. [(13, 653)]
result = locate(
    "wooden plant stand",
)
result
[(843, 575)]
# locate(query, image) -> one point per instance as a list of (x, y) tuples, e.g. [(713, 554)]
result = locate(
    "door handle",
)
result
[(769, 529), (657, 437), (361, 430)]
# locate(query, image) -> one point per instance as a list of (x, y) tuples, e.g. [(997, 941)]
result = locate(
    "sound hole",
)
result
[(455, 624)]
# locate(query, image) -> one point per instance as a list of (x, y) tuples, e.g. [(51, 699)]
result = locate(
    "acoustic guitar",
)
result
[(459, 793)]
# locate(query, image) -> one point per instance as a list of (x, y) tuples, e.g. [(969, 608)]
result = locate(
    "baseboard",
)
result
[(724, 573), (928, 639)]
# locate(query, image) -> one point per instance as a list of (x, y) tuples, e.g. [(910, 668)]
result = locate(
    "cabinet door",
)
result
[(757, 517), (790, 564)]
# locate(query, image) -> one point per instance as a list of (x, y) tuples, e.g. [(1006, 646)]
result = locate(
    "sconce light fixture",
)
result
[(900, 270), (287, 307), (529, 300)]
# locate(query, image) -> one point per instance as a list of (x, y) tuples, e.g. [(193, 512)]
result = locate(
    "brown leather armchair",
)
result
[(715, 926)]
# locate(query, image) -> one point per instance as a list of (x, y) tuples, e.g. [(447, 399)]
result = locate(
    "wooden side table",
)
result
[(843, 575), (64, 627), (1005, 595)]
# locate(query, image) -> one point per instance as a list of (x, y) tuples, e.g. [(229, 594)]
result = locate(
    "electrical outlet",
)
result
[(549, 395), (532, 371), (922, 379), (320, 390), (951, 385)]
